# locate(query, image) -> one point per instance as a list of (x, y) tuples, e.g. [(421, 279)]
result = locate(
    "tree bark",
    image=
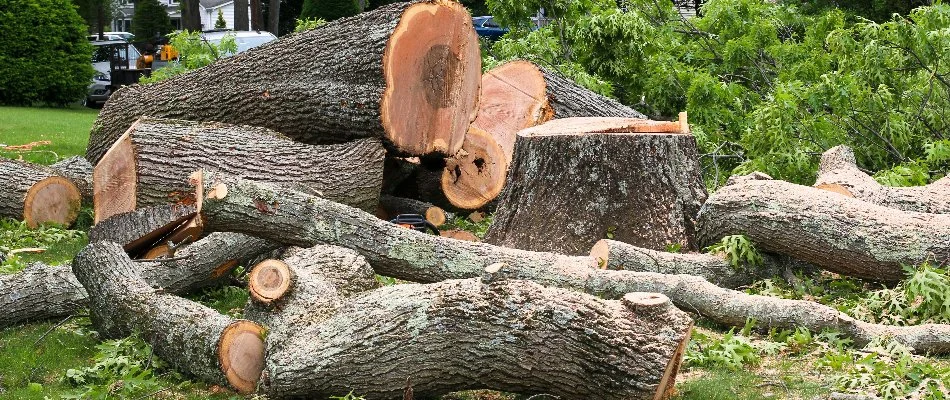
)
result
[(394, 206), (306, 220), (140, 230), (40, 292), (190, 19), (241, 20), (257, 23), (273, 17), (78, 170), (150, 164), (574, 181), (37, 194), (512, 336), (839, 172), (382, 74), (520, 94), (840, 234)]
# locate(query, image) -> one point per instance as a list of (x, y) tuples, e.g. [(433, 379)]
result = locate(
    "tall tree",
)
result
[(150, 20), (240, 15), (190, 15), (97, 13), (273, 16), (257, 23)]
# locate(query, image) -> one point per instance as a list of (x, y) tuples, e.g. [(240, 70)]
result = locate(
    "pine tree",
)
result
[(220, 23), (150, 20), (329, 9)]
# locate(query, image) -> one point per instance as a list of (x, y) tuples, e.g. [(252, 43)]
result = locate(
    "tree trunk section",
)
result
[(273, 17), (39, 292), (382, 74), (194, 339), (190, 18), (574, 181), (837, 233), (150, 164), (257, 23), (394, 206), (37, 194), (140, 230), (839, 173), (241, 20), (520, 94), (79, 171), (542, 340)]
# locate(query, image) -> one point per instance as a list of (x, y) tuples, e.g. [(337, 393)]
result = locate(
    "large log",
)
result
[(838, 172), (520, 94), (41, 292), (79, 171), (37, 194), (193, 338), (150, 164), (407, 73), (838, 233), (142, 229), (306, 220), (574, 181)]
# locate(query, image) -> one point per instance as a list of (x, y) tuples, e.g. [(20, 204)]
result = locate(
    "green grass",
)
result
[(66, 128)]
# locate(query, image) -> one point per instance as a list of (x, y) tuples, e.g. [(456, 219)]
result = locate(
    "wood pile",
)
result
[(293, 159)]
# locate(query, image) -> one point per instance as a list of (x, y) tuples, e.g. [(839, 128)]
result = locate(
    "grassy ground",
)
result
[(66, 128)]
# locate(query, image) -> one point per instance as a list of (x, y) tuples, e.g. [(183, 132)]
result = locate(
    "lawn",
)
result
[(67, 130)]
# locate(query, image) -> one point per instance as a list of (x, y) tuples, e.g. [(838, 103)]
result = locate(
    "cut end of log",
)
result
[(432, 66), (54, 199), (638, 301), (269, 280), (241, 354), (665, 389), (476, 175), (224, 268), (435, 215), (592, 125), (514, 97), (114, 179), (601, 253), (160, 251), (836, 188)]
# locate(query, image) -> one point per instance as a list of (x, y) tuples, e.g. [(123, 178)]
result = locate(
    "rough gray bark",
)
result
[(567, 189), (165, 152), (521, 94), (36, 194), (513, 336), (394, 206), (139, 230), (306, 220), (241, 19), (186, 334), (79, 171), (41, 292), (329, 84), (839, 172), (837, 233)]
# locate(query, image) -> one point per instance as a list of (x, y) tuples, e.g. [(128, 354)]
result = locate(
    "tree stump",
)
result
[(37, 194), (151, 162), (575, 181), (520, 94), (407, 73)]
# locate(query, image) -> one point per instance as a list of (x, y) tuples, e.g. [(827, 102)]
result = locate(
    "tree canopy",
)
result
[(150, 19)]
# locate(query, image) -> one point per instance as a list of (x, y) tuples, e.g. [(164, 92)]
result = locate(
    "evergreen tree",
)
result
[(150, 20), (329, 9), (220, 23)]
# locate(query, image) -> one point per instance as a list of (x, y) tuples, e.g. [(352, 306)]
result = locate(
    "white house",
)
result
[(209, 14)]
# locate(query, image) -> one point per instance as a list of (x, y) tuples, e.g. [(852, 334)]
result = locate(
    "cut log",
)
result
[(839, 173), (37, 194), (193, 338), (79, 171), (151, 162), (837, 233), (140, 230), (458, 234), (407, 73), (394, 206), (405, 254), (512, 336), (520, 94), (574, 181), (40, 292)]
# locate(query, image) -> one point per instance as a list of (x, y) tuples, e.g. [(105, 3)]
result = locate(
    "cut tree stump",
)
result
[(394, 206), (37, 194), (140, 230), (79, 171), (407, 73), (305, 220), (574, 181), (520, 94), (542, 340), (837, 233), (193, 338), (150, 164), (839, 173)]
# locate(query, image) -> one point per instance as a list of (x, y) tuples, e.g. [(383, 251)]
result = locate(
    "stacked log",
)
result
[(37, 194), (79, 171), (140, 230)]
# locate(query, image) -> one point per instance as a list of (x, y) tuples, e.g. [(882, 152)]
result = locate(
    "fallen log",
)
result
[(520, 94), (394, 206), (193, 338), (305, 220), (386, 73), (837, 233), (574, 181), (140, 230), (838, 172), (37, 194), (513, 336), (41, 292), (78, 170), (150, 164)]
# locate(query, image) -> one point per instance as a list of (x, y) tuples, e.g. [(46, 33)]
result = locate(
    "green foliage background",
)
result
[(329, 9), (150, 19), (767, 86), (44, 54)]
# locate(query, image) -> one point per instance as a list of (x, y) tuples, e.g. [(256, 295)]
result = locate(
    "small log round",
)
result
[(476, 175), (241, 354), (269, 280), (37, 194), (574, 181)]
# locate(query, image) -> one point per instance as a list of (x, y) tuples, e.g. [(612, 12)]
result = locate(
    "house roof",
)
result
[(208, 4)]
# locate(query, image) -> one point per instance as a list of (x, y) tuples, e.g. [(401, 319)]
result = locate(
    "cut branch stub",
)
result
[(406, 73), (575, 180), (476, 175), (393, 206), (140, 230), (37, 194), (269, 280)]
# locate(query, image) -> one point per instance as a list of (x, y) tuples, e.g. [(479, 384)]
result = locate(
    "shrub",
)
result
[(44, 54)]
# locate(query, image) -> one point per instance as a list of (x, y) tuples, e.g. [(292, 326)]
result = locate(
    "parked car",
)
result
[(108, 56), (123, 35), (486, 27), (105, 36), (246, 40)]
